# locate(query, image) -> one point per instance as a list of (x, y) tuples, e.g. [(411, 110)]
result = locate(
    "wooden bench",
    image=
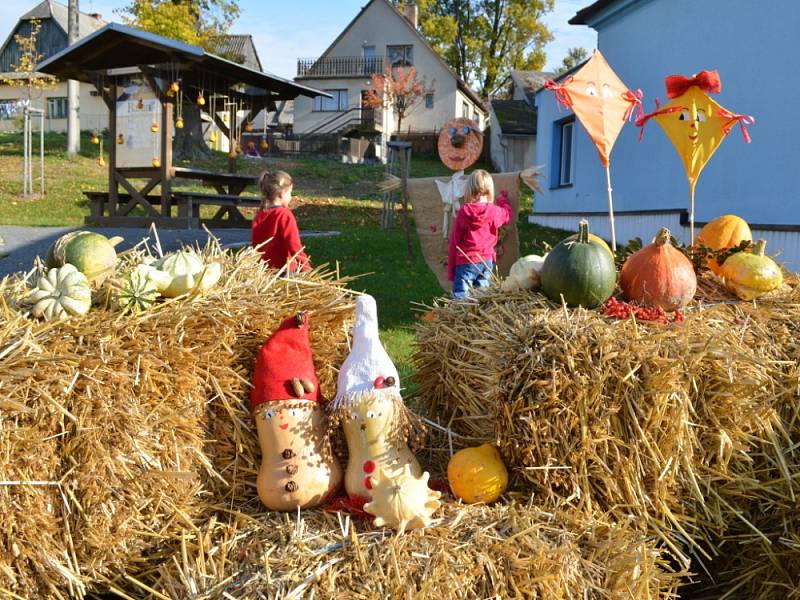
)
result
[(99, 212), (227, 215)]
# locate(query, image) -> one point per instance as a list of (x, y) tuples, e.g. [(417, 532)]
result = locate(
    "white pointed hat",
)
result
[(368, 367)]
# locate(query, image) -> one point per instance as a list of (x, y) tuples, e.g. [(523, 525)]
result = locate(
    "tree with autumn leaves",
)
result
[(397, 88)]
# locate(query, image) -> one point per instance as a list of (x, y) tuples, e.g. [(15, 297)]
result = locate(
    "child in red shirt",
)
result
[(274, 230), (471, 254)]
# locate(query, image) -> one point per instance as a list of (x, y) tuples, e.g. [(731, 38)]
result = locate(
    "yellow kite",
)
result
[(695, 123), (602, 103)]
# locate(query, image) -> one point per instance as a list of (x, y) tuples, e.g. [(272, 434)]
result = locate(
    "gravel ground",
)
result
[(20, 245)]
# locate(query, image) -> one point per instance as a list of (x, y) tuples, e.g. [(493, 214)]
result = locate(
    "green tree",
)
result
[(483, 40), (574, 57)]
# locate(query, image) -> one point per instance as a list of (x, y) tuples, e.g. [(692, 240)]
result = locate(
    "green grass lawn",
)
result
[(329, 196)]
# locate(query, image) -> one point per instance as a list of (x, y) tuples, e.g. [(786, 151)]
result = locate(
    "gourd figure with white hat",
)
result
[(298, 469), (370, 408)]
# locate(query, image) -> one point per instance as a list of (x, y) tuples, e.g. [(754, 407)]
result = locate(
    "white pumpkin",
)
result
[(64, 291), (524, 274), (181, 272), (403, 501)]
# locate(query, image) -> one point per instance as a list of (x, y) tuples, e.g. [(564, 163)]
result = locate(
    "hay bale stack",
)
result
[(505, 551), (637, 419), (146, 420)]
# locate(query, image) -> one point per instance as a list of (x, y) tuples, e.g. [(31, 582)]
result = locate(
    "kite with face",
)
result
[(460, 144), (695, 123)]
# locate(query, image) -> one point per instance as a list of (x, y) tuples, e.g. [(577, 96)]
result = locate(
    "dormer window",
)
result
[(400, 56)]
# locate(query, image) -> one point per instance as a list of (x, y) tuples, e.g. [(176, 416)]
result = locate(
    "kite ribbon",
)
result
[(733, 119), (641, 120), (708, 81), (635, 98), (559, 89)]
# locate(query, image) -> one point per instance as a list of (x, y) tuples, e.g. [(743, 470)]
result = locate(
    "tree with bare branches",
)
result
[(397, 88)]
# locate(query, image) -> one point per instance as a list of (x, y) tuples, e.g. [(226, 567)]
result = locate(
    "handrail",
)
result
[(340, 66), (323, 127)]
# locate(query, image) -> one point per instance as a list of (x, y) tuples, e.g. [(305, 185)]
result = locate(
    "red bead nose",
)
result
[(369, 466)]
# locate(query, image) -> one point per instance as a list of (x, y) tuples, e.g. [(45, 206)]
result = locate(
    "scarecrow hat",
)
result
[(284, 367), (368, 367)]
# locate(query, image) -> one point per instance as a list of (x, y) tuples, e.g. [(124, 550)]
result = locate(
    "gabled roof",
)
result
[(530, 81), (585, 15), (238, 48), (59, 13), (462, 85), (516, 117)]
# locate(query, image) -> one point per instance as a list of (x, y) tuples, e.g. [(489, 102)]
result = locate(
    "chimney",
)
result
[(411, 13), (97, 16)]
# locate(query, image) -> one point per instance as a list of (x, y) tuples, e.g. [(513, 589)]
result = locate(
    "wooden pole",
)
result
[(405, 159), (232, 137), (166, 158), (113, 185), (611, 211)]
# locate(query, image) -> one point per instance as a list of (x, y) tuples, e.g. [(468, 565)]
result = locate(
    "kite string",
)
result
[(642, 120), (635, 98), (733, 119)]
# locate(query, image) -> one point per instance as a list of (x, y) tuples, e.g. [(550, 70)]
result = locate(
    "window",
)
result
[(57, 107), (563, 152), (8, 109), (465, 110), (400, 56), (335, 104), (428, 100)]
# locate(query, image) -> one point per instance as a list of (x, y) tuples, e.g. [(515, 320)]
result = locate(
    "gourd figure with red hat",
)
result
[(298, 469)]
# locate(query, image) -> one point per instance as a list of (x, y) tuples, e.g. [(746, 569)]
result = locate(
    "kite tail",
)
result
[(561, 92), (733, 119), (642, 120), (635, 98)]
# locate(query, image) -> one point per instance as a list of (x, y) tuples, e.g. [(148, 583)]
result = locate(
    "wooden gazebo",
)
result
[(116, 56)]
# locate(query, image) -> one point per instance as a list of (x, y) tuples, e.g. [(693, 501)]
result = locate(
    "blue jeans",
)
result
[(470, 276)]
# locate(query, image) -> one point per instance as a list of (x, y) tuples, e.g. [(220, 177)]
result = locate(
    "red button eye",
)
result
[(369, 466)]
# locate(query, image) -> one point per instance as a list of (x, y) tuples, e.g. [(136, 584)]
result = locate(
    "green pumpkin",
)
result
[(91, 253), (136, 293), (581, 271)]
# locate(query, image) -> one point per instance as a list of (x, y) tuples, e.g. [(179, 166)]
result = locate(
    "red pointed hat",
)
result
[(284, 363)]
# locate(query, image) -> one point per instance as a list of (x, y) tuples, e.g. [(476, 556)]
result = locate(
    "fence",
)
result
[(426, 142), (296, 144)]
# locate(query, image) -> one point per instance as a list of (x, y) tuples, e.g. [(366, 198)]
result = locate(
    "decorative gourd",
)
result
[(658, 275), (403, 501), (91, 253), (580, 271), (524, 274), (298, 469), (477, 474), (64, 291), (181, 272), (136, 292), (368, 404), (179, 123), (727, 231), (751, 274)]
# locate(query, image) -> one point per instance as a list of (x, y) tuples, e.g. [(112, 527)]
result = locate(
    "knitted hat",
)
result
[(284, 368), (368, 366)]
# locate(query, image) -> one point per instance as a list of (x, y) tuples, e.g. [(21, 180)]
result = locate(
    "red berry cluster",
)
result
[(619, 309)]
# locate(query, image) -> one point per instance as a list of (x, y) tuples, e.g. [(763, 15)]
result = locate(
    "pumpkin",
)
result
[(524, 274), (579, 271), (403, 501), (64, 291), (91, 253), (751, 274), (477, 474), (136, 292), (727, 231), (658, 275), (595, 239), (181, 272)]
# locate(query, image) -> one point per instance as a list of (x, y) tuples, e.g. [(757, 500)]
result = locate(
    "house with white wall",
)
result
[(644, 41), (380, 36)]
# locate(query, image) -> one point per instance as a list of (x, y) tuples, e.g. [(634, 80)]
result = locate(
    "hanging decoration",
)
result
[(602, 103), (695, 124), (201, 101), (264, 145), (101, 159), (179, 110), (121, 138)]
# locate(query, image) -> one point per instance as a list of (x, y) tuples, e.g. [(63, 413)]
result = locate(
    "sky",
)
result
[(285, 31)]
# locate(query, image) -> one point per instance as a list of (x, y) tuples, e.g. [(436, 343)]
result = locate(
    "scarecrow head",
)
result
[(460, 144)]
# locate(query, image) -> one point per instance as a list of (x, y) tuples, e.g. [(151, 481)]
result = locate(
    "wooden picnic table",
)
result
[(227, 184)]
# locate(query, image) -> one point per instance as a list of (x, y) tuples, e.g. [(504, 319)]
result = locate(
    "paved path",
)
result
[(20, 245)]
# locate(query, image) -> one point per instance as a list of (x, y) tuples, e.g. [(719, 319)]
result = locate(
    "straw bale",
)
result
[(637, 419), (504, 551)]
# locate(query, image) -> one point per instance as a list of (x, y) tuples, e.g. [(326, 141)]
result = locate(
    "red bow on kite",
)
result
[(708, 81)]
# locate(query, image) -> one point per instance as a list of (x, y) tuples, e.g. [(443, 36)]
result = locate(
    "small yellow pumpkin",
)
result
[(727, 231), (751, 274), (477, 474)]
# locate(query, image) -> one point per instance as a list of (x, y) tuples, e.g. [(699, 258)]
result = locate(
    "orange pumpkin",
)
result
[(727, 231), (658, 275)]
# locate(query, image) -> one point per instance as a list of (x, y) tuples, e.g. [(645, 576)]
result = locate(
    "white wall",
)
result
[(94, 113)]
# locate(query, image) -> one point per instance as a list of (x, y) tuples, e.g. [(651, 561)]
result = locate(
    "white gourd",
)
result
[(403, 501), (64, 291), (180, 272), (524, 274)]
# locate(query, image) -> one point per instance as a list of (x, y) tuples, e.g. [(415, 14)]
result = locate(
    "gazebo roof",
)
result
[(96, 56)]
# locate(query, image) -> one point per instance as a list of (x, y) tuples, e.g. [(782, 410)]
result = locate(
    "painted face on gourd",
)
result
[(371, 419), (460, 144)]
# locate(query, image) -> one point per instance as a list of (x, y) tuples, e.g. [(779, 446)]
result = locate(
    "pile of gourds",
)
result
[(81, 263), (580, 270)]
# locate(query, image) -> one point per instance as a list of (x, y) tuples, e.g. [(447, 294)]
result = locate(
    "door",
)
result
[(370, 63)]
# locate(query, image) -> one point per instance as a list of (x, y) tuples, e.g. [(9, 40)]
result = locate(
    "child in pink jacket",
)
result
[(471, 254)]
